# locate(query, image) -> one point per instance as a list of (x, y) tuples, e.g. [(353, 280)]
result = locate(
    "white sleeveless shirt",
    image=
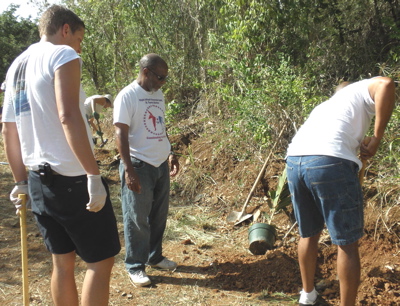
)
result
[(337, 126)]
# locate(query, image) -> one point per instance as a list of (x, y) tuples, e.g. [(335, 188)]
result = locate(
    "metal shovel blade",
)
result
[(233, 216), (244, 218), (237, 217)]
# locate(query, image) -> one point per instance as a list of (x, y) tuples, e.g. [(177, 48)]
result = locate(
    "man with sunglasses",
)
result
[(145, 168)]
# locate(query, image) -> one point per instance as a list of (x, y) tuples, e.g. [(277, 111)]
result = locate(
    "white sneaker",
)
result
[(166, 264), (139, 278), (305, 297)]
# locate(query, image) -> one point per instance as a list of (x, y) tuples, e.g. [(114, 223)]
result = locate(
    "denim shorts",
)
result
[(65, 223), (326, 190)]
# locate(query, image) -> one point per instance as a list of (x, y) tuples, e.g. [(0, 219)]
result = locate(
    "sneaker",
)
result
[(304, 299), (139, 278), (166, 264), (320, 301)]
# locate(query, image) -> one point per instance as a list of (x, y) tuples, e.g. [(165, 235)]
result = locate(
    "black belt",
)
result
[(52, 171)]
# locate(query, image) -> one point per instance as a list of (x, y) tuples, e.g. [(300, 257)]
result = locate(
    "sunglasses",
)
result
[(159, 77)]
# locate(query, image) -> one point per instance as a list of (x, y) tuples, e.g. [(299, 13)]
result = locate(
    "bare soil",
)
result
[(217, 268)]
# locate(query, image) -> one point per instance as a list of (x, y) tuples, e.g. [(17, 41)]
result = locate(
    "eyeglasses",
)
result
[(159, 77)]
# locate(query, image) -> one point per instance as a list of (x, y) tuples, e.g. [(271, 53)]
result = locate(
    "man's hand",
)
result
[(174, 165), (97, 193), (132, 180), (19, 189), (369, 147)]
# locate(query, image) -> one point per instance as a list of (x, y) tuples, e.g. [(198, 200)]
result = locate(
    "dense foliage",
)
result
[(16, 34), (237, 58)]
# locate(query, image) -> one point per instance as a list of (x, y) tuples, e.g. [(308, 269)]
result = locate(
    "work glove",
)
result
[(97, 193), (96, 115), (19, 189), (99, 133)]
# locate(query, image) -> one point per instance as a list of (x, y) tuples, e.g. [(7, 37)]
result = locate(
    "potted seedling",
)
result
[(262, 236)]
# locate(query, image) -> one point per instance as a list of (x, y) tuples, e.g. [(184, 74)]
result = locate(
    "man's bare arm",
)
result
[(12, 149), (131, 178), (382, 91), (67, 88)]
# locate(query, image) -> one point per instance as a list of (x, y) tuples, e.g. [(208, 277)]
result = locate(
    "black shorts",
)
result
[(65, 223)]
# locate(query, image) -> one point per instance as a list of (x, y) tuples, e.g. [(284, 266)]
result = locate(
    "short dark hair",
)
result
[(342, 85), (55, 17), (151, 60)]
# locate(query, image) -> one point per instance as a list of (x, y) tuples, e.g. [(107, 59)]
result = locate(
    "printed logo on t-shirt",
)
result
[(154, 120), (21, 104)]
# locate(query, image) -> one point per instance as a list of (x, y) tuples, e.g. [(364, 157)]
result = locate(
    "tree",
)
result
[(15, 36)]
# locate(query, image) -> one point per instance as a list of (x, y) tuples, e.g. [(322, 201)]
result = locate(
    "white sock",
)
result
[(308, 297)]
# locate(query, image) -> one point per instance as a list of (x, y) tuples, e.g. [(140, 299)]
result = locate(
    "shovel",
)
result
[(364, 163), (239, 217), (99, 132), (24, 249), (362, 172)]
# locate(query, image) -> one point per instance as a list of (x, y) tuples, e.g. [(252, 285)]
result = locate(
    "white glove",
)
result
[(19, 189), (97, 193)]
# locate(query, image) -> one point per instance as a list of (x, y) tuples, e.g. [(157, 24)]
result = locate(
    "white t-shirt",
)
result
[(88, 106), (144, 113), (30, 102), (337, 126)]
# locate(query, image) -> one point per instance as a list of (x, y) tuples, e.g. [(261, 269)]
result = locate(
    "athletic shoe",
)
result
[(166, 264), (139, 278), (304, 300), (320, 301)]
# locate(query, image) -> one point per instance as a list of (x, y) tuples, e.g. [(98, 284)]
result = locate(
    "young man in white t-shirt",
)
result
[(145, 168), (45, 131), (322, 171)]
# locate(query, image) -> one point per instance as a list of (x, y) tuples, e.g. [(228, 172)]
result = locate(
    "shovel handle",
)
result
[(361, 174), (261, 172), (24, 249), (362, 171), (98, 125), (101, 136)]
